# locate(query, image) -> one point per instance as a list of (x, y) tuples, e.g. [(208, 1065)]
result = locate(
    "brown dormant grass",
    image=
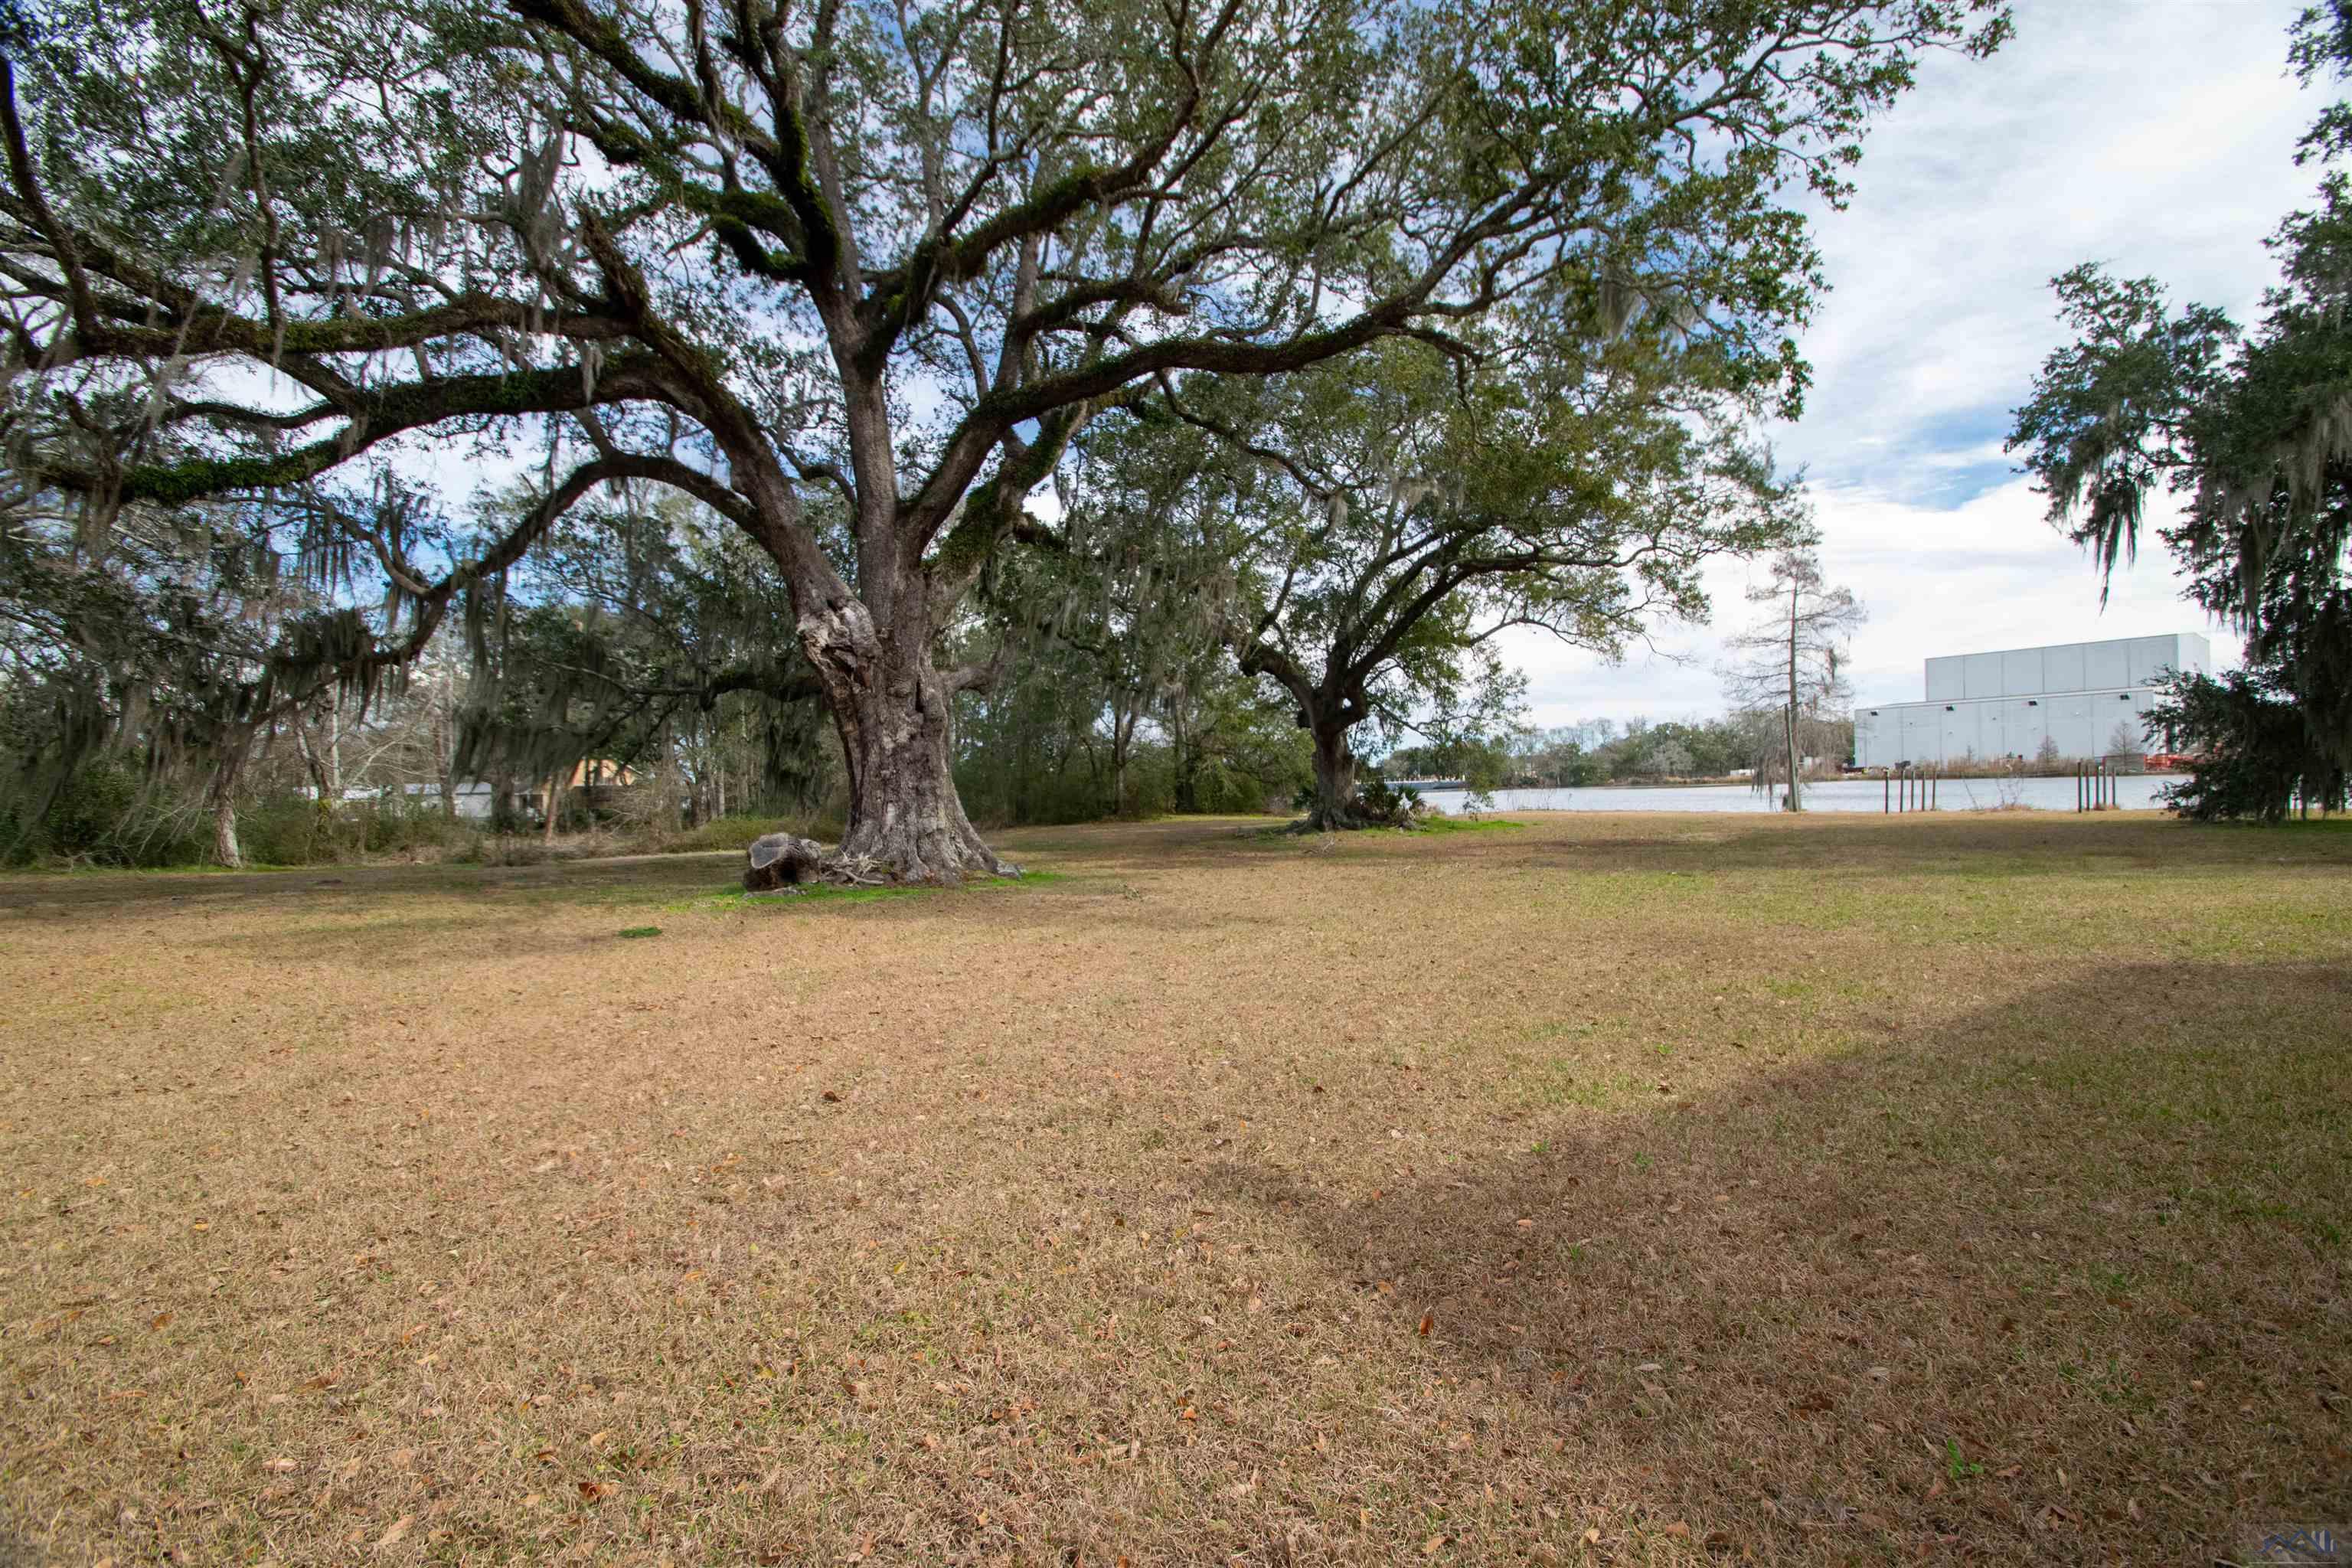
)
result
[(1662, 1189)]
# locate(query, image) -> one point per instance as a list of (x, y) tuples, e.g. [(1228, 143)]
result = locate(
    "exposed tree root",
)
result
[(781, 865)]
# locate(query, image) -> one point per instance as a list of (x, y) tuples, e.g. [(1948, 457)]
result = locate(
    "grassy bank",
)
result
[(1656, 1189)]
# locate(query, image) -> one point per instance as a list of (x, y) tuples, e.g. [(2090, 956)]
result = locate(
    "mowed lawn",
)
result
[(1667, 1189)]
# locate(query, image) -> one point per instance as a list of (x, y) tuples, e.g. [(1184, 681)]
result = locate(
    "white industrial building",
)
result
[(1986, 706)]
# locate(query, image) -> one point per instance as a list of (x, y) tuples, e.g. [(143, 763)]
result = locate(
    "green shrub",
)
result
[(1221, 789), (291, 830), (105, 814), (400, 827), (1380, 804), (89, 810), (287, 831), (2255, 756)]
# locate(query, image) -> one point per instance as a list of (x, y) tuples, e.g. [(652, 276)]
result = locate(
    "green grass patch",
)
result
[(828, 893), (1569, 1080), (640, 930), (1434, 827)]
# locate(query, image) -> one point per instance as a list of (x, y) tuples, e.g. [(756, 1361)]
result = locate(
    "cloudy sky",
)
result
[(2155, 136)]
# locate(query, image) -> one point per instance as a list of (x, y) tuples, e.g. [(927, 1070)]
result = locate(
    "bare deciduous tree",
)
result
[(1792, 660)]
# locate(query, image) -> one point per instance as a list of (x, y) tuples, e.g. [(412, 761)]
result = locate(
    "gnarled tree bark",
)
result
[(1335, 780), (891, 706)]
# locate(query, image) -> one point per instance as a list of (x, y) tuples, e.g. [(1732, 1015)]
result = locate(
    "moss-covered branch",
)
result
[(408, 406)]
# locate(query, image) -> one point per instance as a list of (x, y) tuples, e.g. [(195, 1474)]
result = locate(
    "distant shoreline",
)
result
[(1730, 783)]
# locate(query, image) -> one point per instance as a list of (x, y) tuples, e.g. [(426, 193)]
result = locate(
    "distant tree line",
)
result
[(1638, 750), (161, 703)]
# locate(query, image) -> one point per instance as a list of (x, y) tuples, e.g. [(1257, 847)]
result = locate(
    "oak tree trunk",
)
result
[(221, 795), (320, 786), (1329, 710), (1187, 763), (224, 845), (1122, 737), (444, 750), (1335, 780), (891, 707)]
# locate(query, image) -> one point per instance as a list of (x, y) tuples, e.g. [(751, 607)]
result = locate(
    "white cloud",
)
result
[(1986, 573), (2157, 138)]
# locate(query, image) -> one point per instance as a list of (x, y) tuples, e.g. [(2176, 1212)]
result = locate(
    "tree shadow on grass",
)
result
[(2064, 1280), (376, 930)]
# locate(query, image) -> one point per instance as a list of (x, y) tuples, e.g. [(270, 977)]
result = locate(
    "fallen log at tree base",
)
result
[(775, 861)]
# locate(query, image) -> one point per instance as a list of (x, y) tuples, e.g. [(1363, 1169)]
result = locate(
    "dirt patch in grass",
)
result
[(1652, 1189)]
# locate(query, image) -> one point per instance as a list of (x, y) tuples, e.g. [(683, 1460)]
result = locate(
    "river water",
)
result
[(2134, 793)]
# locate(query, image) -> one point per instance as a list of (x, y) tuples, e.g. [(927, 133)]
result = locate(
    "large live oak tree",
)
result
[(1389, 515), (852, 275)]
